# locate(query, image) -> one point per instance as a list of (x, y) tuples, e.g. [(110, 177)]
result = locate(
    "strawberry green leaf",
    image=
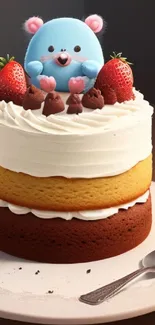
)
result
[(3, 60), (119, 56)]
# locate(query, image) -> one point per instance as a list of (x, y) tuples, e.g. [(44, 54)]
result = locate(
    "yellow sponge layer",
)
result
[(62, 194)]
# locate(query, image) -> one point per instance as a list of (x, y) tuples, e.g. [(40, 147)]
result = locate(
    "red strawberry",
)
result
[(115, 80), (12, 81)]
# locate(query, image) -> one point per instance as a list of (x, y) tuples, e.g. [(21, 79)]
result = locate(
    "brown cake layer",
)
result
[(60, 241), (62, 194)]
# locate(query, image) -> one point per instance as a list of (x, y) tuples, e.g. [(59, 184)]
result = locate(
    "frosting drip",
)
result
[(97, 143), (83, 215)]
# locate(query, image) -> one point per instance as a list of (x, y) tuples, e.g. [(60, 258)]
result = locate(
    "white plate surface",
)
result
[(24, 295)]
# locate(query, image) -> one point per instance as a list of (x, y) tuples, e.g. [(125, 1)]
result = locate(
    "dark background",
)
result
[(130, 29)]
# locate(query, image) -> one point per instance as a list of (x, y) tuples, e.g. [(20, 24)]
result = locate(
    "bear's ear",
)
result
[(33, 24), (95, 22)]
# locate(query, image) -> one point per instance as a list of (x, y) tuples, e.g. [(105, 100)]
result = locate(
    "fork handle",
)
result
[(108, 291)]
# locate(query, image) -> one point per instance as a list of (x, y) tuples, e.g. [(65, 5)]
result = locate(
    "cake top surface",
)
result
[(66, 113)]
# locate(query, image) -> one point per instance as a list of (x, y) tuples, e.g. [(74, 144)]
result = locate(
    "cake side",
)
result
[(96, 143), (97, 159)]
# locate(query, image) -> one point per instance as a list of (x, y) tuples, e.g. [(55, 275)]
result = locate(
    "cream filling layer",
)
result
[(91, 215)]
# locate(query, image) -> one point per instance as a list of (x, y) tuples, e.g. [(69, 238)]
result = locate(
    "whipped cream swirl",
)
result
[(90, 121)]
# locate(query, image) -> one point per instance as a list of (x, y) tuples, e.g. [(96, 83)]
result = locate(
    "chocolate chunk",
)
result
[(110, 96), (74, 102), (37, 272), (33, 98), (53, 104), (93, 99), (49, 291), (88, 271), (20, 268)]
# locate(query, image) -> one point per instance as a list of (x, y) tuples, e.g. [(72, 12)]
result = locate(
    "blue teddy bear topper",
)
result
[(64, 53)]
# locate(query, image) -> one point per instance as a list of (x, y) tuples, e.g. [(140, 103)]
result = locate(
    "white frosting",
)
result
[(96, 143), (83, 215)]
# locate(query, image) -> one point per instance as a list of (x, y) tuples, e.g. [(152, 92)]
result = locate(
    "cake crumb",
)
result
[(50, 291), (37, 272), (88, 271)]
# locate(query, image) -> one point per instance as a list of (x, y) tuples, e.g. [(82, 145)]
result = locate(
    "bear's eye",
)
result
[(51, 48), (77, 48)]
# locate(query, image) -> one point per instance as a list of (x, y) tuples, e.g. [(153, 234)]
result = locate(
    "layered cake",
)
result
[(75, 139)]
